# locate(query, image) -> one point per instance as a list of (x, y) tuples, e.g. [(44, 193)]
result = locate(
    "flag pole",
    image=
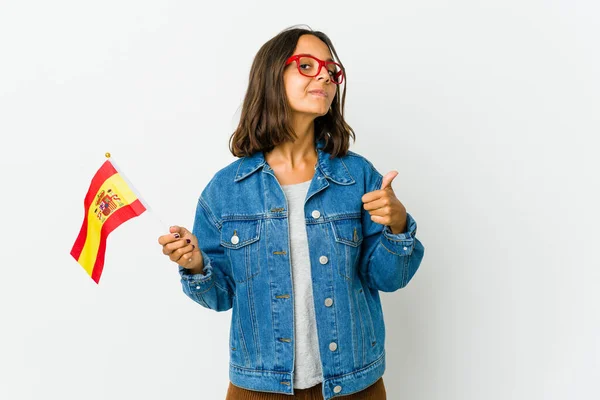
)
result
[(134, 190)]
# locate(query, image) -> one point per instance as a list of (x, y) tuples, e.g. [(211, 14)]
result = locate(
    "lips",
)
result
[(318, 92)]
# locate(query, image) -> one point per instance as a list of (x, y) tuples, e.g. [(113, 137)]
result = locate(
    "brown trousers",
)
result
[(374, 392)]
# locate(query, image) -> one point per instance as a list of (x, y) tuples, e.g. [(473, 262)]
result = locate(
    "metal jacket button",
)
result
[(235, 239), (323, 259), (333, 346), (316, 214), (328, 302)]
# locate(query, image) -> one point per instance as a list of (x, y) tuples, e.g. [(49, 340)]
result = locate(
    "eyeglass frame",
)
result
[(321, 65)]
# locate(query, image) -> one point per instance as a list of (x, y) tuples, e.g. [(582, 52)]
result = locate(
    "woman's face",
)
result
[(310, 96)]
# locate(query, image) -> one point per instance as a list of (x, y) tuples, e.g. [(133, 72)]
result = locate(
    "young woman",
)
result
[(298, 236)]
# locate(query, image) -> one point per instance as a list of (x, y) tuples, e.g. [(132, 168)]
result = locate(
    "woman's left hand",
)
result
[(384, 206)]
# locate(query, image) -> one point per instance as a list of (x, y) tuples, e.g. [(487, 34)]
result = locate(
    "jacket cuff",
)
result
[(400, 243), (198, 282)]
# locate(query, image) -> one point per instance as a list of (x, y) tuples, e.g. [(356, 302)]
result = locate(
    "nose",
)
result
[(324, 74)]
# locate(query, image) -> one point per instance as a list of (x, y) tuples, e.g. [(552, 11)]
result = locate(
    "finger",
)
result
[(380, 220), (178, 230), (182, 254), (186, 234), (176, 245), (381, 212), (374, 195), (189, 257), (169, 238), (171, 247), (388, 178), (182, 230), (375, 204)]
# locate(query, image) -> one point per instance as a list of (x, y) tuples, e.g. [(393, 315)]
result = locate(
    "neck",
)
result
[(300, 152), (303, 125)]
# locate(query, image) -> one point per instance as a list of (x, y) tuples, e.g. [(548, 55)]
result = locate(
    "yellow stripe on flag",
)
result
[(89, 252)]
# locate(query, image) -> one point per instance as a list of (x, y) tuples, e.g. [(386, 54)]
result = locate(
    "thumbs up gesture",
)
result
[(384, 206)]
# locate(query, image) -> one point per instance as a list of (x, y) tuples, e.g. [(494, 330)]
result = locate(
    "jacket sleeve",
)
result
[(214, 288), (388, 261)]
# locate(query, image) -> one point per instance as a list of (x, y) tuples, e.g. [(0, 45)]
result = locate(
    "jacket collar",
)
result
[(334, 169)]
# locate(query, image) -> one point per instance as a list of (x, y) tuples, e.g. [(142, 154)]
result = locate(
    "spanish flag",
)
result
[(109, 202)]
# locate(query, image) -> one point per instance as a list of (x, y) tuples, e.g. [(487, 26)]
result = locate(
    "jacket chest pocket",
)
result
[(348, 236), (241, 241)]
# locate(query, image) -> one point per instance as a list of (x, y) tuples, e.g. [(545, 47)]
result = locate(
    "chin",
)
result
[(315, 112), (322, 112)]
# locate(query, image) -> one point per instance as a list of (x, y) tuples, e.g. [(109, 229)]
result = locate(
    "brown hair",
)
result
[(265, 117)]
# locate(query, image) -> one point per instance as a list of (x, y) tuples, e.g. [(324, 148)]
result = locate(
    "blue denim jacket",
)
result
[(241, 223)]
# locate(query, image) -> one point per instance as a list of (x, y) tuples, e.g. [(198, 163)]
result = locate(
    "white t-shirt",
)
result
[(307, 360)]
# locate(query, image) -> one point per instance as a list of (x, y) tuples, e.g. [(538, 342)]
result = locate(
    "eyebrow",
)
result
[(308, 54)]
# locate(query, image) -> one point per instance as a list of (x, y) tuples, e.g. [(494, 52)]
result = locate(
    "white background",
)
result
[(488, 110)]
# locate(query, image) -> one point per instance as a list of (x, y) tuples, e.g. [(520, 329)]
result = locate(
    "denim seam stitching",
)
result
[(390, 251), (210, 214)]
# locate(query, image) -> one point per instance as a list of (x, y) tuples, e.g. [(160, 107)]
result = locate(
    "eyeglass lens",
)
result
[(308, 66)]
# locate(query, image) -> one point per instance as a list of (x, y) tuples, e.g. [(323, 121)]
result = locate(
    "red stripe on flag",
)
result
[(117, 218), (80, 242), (104, 172)]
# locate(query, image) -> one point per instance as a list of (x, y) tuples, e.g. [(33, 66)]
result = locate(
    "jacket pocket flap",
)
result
[(239, 233), (348, 231)]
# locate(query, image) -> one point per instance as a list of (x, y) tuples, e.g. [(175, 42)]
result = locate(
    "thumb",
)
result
[(177, 229), (388, 178)]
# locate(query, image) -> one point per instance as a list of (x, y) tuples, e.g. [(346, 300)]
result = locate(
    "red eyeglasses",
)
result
[(310, 66)]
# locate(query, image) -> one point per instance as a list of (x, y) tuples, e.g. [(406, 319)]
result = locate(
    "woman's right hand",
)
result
[(182, 248)]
